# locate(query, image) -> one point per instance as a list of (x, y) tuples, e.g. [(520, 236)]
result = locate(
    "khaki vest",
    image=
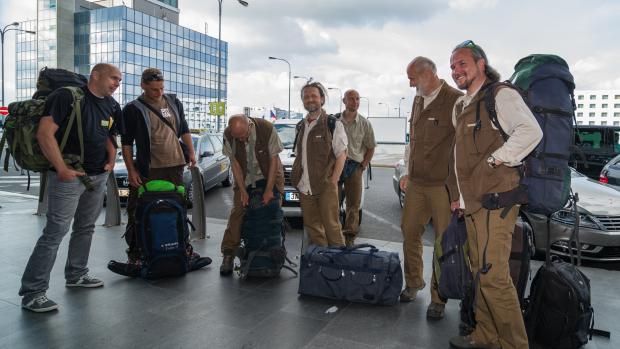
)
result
[(475, 176), (261, 150), (432, 137), (320, 155)]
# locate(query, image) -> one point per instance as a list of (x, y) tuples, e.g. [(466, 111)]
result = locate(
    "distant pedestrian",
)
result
[(361, 148)]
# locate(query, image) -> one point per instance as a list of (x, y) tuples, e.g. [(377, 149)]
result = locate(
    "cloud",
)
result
[(471, 4)]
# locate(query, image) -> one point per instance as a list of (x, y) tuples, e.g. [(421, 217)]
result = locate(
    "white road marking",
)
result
[(382, 220), (8, 193)]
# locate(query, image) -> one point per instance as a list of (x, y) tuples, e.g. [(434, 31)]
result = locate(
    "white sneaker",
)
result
[(85, 281)]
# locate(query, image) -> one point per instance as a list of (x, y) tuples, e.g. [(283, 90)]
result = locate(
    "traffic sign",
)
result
[(217, 108), (4, 111)]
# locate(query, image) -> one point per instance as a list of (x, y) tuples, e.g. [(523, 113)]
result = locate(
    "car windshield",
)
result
[(287, 134)]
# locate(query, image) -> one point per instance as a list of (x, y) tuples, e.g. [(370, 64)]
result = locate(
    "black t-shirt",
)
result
[(99, 116)]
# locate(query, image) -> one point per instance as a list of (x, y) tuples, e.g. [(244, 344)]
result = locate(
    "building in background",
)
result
[(598, 107), (131, 34)]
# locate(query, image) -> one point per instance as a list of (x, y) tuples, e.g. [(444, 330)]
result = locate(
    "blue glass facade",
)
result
[(134, 41)]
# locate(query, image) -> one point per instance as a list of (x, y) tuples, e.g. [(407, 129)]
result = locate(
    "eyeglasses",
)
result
[(470, 44), (153, 77)]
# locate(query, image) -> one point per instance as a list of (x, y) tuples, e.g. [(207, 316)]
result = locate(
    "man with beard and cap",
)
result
[(428, 182), (321, 147), (486, 163)]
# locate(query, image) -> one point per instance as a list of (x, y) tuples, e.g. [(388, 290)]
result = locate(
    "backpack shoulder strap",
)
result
[(76, 114), (297, 129), (331, 123), (489, 102)]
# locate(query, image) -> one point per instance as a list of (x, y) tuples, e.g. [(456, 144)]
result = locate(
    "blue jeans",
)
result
[(67, 200)]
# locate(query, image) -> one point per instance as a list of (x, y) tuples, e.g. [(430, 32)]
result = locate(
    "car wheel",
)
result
[(229, 178), (401, 198)]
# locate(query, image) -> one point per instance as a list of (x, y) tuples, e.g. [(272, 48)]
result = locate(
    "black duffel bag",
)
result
[(360, 274)]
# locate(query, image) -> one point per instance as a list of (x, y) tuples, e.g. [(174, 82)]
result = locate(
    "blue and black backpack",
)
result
[(162, 226), (546, 84), (262, 252)]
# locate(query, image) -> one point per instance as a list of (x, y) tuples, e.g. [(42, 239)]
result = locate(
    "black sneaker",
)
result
[(196, 262), (40, 304), (85, 281), (125, 269)]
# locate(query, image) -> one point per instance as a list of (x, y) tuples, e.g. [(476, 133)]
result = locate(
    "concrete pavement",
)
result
[(204, 310)]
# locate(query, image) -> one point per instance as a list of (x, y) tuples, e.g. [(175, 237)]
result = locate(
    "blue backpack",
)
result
[(162, 225), (547, 86)]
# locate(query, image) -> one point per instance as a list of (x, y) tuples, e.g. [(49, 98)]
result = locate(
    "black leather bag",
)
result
[(360, 274)]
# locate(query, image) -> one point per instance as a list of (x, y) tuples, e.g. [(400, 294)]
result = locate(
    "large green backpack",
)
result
[(20, 130)]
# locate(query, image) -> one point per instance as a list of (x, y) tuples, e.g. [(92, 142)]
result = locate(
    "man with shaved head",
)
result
[(430, 192), (360, 149), (253, 146), (68, 198)]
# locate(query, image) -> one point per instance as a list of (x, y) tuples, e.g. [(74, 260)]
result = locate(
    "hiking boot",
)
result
[(85, 281), (39, 304), (126, 269), (408, 295), (465, 342), (227, 265), (196, 262), (349, 240), (435, 311)]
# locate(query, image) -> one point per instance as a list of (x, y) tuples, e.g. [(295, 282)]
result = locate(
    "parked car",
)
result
[(611, 173), (599, 228), (596, 146), (290, 203), (214, 166)]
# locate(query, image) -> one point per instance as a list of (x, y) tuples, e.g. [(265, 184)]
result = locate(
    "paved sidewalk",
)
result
[(204, 310)]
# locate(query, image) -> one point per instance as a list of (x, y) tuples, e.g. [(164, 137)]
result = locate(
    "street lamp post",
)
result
[(7, 28), (219, 56), (400, 100), (368, 104), (388, 108), (289, 82), (340, 101), (308, 79)]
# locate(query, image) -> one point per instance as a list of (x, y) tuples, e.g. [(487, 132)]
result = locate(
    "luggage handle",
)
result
[(358, 247), (341, 275)]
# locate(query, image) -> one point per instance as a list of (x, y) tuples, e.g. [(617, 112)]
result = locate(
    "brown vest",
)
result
[(261, 150), (475, 176), (320, 155), (432, 136)]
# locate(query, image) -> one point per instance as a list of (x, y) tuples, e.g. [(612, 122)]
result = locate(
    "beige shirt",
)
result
[(427, 100), (254, 172), (339, 145), (165, 148), (516, 119), (360, 137)]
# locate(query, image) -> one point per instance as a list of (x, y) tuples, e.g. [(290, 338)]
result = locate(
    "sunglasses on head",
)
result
[(470, 44), (153, 77)]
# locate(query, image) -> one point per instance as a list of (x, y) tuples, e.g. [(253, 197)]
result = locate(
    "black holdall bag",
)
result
[(360, 274), (558, 312), (451, 260)]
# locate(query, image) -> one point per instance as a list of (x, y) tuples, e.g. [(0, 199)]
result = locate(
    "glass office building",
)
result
[(133, 41)]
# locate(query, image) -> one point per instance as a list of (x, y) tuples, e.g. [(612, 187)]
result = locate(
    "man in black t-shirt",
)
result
[(68, 197)]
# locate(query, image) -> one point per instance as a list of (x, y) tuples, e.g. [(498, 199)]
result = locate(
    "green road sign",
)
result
[(217, 108)]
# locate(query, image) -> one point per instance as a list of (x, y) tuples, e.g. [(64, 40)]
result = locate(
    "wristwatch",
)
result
[(491, 161)]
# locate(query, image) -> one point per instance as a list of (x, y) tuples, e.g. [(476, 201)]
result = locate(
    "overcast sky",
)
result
[(366, 45)]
